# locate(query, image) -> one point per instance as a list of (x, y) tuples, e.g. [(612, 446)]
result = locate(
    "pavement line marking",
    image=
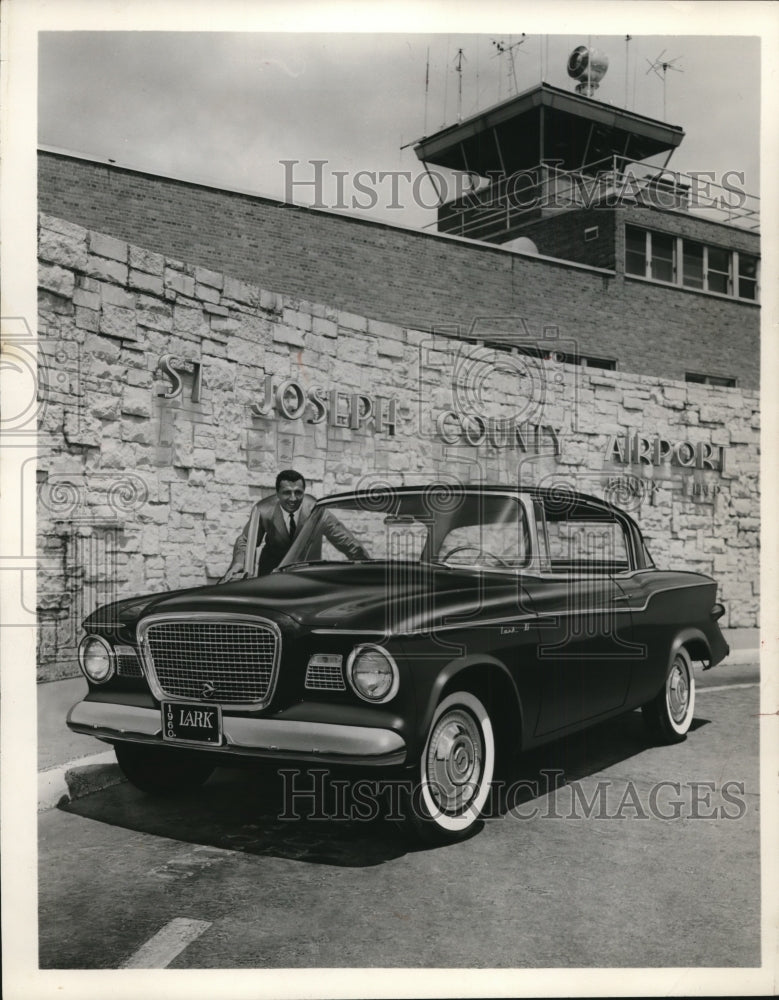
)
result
[(727, 687), (159, 951)]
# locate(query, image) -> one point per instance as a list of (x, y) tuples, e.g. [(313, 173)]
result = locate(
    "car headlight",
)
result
[(96, 659), (372, 673)]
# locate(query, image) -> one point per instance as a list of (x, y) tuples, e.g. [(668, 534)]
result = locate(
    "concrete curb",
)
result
[(77, 778)]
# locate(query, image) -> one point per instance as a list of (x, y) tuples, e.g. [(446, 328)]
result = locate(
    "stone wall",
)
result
[(413, 278), (141, 490)]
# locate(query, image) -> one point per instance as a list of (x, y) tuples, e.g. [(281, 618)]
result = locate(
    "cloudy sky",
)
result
[(227, 108)]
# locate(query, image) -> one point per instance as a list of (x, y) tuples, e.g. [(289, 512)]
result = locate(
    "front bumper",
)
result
[(282, 739)]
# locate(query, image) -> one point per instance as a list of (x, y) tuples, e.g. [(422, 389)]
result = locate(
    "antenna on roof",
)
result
[(459, 68), (664, 65), (427, 84), (627, 66), (504, 49)]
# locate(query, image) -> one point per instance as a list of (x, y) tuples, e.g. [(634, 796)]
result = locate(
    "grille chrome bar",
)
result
[(226, 659), (127, 662), (325, 677)]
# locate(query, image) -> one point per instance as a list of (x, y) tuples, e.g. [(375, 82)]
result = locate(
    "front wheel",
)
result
[(160, 770), (669, 715), (456, 769)]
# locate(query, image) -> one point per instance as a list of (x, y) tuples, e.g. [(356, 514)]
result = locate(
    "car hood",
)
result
[(378, 597)]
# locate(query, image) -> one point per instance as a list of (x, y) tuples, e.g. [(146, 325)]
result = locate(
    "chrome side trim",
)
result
[(424, 631), (241, 735), (512, 619)]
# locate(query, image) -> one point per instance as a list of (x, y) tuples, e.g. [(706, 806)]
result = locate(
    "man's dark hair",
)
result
[(289, 476)]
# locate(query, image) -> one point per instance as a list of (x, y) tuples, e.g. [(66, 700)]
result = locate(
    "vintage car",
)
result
[(465, 624)]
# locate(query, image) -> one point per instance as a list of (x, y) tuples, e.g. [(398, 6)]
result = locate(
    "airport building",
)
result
[(581, 315)]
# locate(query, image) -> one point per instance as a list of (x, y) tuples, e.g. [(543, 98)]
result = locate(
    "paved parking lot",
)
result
[(642, 856)]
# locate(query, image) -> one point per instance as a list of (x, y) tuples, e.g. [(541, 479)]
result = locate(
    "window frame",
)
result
[(595, 513), (732, 276), (699, 378)]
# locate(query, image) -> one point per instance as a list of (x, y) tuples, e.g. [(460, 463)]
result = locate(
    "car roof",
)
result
[(557, 493)]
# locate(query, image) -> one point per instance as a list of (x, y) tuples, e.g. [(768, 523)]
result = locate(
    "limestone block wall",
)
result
[(143, 488)]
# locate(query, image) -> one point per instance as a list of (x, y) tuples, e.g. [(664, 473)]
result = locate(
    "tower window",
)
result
[(674, 260)]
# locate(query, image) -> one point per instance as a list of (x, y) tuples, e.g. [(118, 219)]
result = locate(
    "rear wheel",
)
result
[(161, 771), (455, 772), (669, 715)]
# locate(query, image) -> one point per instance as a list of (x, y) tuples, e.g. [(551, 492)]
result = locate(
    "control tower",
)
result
[(549, 150)]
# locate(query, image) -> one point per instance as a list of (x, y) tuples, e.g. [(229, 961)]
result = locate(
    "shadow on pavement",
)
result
[(254, 811), (573, 758)]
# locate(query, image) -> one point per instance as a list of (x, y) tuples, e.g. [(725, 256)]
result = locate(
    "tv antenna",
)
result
[(459, 59), (663, 65), (504, 49)]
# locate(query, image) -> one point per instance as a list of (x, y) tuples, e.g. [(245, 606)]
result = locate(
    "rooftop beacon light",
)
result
[(588, 67)]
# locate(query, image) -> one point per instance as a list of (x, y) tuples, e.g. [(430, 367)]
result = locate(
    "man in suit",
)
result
[(278, 520)]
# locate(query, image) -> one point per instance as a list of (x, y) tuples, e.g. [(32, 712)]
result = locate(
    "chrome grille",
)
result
[(226, 660), (127, 662), (325, 677)]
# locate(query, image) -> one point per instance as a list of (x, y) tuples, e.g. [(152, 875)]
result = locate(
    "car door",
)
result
[(585, 653)]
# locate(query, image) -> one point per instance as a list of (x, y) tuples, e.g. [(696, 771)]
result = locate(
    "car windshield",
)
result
[(439, 525)]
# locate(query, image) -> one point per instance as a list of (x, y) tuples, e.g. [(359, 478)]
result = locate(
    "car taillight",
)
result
[(717, 611)]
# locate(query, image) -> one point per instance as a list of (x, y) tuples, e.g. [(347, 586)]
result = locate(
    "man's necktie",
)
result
[(291, 526)]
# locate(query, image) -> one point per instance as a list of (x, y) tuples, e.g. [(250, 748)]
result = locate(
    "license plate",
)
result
[(183, 722)]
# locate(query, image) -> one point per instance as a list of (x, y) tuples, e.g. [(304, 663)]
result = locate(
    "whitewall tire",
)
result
[(456, 769), (669, 715)]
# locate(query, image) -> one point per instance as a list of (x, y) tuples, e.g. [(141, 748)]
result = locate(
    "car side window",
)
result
[(586, 540)]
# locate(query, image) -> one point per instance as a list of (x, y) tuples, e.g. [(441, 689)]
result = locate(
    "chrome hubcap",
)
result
[(455, 760), (678, 692)]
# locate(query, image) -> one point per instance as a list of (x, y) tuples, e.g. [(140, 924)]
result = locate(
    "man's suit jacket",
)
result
[(272, 529)]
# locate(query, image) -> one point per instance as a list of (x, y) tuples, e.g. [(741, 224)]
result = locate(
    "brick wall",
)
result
[(562, 235), (139, 493), (405, 277)]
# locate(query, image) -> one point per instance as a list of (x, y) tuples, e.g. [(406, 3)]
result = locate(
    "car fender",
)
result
[(691, 638), (447, 677)]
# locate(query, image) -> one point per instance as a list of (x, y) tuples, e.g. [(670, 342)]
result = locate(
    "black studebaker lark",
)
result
[(482, 621)]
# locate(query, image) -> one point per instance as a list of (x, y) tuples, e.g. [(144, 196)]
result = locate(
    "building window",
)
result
[(729, 383), (636, 253), (663, 257), (718, 271), (674, 260), (586, 361), (747, 276), (692, 264)]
